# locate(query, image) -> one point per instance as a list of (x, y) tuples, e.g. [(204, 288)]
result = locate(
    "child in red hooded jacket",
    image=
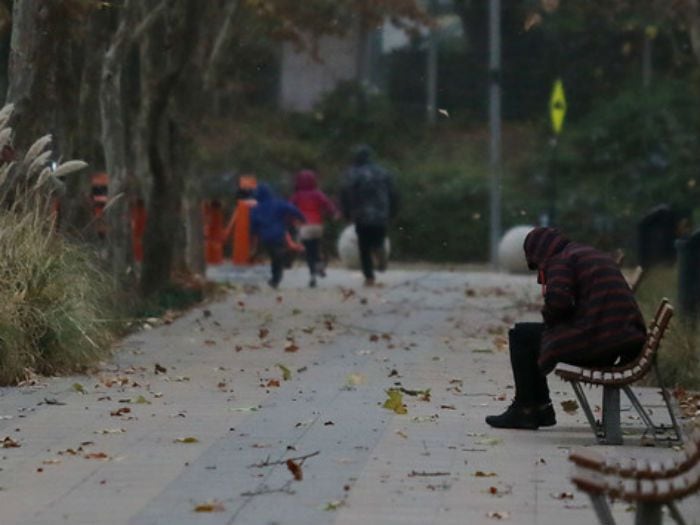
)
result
[(314, 204)]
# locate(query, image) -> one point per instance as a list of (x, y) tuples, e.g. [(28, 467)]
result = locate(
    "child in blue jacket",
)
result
[(268, 222)]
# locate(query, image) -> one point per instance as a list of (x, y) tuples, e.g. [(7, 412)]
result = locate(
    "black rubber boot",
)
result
[(546, 416), (516, 416)]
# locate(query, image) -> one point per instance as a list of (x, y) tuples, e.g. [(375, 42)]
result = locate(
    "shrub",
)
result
[(52, 293)]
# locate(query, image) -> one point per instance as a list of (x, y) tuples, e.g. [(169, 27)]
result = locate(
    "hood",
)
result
[(305, 180), (362, 155), (263, 193), (540, 244)]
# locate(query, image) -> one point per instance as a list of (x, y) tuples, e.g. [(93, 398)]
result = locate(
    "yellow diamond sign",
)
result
[(557, 106)]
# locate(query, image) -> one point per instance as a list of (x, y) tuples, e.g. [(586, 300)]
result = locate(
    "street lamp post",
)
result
[(495, 125)]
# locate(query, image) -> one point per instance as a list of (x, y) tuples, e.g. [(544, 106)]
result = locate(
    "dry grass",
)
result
[(52, 294), (679, 358)]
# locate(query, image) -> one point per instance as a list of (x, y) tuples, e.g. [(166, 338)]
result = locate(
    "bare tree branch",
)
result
[(221, 37)]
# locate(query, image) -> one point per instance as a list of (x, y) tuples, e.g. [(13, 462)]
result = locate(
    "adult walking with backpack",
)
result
[(369, 199)]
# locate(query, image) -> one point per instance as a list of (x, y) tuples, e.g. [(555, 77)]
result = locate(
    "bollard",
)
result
[(688, 249), (656, 233)]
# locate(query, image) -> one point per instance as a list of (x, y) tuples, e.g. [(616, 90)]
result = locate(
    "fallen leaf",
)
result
[(482, 474), (96, 455), (295, 469), (210, 506), (273, 383), (111, 431), (488, 441), (563, 495), (355, 379), (570, 406), (187, 440), (286, 372), (498, 515), (395, 401), (79, 388), (290, 346), (120, 412), (8, 442), (51, 462), (263, 333), (141, 401), (160, 369), (333, 505)]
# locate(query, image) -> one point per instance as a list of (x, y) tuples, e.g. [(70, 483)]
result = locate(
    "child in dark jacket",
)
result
[(314, 204), (268, 222)]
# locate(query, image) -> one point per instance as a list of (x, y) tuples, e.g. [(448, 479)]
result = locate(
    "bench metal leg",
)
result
[(675, 513), (643, 414), (602, 509), (669, 404), (648, 514), (611, 415), (583, 402)]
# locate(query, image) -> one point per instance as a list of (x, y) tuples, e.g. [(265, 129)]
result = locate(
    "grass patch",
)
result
[(53, 299), (679, 362)]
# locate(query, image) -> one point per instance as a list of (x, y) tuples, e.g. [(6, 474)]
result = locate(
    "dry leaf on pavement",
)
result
[(210, 506), (295, 469)]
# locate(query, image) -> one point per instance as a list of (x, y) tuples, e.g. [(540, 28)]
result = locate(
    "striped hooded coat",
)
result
[(590, 314)]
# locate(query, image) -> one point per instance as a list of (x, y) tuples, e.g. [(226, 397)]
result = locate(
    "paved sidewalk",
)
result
[(198, 413)]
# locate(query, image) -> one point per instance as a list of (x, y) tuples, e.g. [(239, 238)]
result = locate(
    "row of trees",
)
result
[(127, 85), (130, 85)]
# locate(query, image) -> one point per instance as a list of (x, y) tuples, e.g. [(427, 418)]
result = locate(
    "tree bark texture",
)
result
[(165, 53)]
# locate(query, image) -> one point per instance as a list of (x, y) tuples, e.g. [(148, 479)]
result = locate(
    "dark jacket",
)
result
[(311, 201), (368, 196), (590, 314), (269, 218)]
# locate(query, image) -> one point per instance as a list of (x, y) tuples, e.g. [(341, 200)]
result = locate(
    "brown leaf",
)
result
[(210, 506), (8, 442), (263, 333), (295, 469), (290, 346), (210, 342), (482, 474), (273, 383), (120, 412), (96, 455), (160, 369), (563, 495), (570, 406), (374, 338)]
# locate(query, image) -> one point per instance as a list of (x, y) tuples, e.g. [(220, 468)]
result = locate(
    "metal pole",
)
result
[(431, 77), (431, 102), (495, 124)]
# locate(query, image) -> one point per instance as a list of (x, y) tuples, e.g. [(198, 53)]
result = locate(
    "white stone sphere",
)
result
[(348, 250), (511, 257)]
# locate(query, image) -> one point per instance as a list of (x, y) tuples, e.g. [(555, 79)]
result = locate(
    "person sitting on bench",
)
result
[(591, 319)]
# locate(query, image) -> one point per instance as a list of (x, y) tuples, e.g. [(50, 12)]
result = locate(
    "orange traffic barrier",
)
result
[(239, 225), (100, 183), (138, 228), (213, 232)]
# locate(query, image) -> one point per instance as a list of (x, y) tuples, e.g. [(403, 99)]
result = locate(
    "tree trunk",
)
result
[(112, 116), (693, 21), (114, 144), (164, 57), (42, 75)]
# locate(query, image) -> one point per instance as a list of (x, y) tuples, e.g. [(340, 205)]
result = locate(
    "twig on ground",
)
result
[(268, 463)]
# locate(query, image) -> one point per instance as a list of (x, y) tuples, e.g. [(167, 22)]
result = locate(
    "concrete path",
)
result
[(203, 413)]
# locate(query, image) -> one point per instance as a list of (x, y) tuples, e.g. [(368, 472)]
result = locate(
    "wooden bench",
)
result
[(649, 484), (616, 378), (637, 274)]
